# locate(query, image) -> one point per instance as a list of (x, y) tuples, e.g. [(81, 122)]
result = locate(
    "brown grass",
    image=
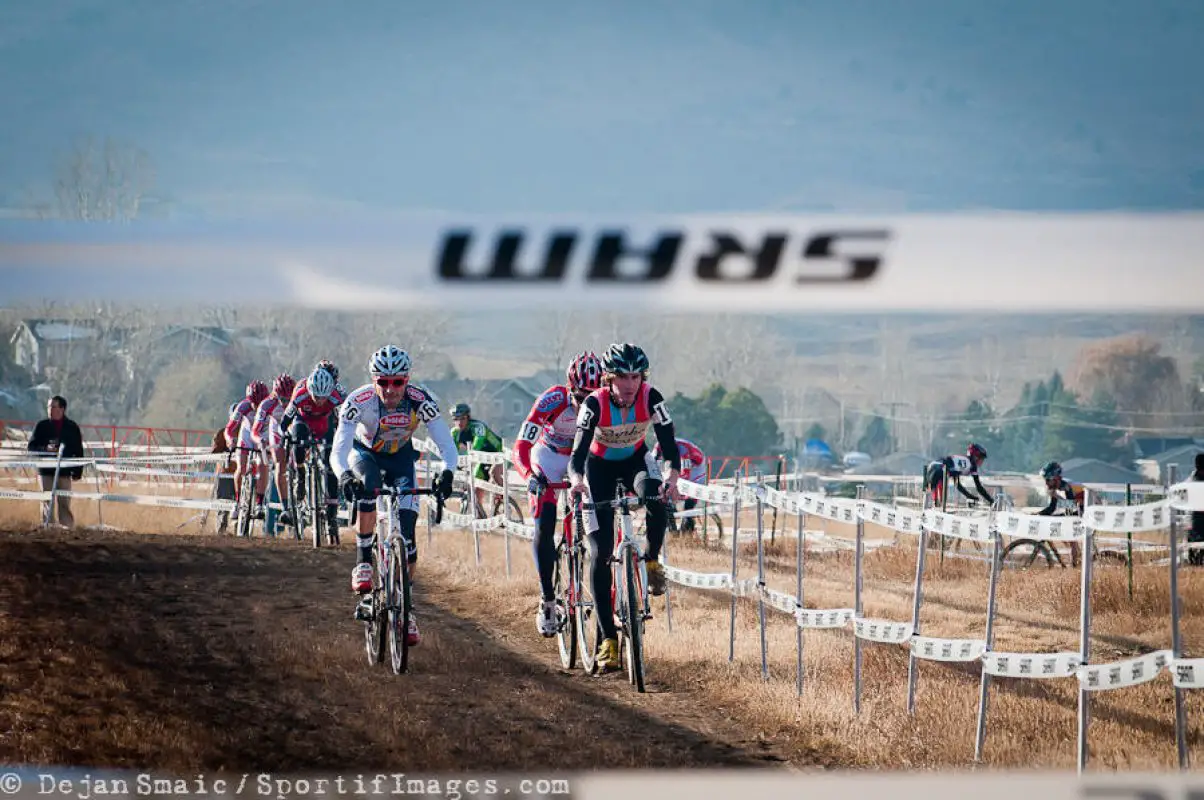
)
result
[(222, 618), (1031, 723)]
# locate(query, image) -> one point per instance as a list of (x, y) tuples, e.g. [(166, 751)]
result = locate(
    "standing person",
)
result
[(47, 435), (1196, 534)]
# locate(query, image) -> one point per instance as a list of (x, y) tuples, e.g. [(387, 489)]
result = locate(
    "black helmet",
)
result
[(1051, 470), (624, 358), (461, 410)]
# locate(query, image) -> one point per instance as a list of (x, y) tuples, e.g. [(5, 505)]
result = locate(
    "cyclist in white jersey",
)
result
[(375, 433)]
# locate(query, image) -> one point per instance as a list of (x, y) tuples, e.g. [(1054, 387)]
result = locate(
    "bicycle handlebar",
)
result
[(393, 491)]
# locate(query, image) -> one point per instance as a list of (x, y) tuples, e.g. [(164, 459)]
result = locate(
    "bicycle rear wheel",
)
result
[(632, 616), (292, 504), (317, 499), (1023, 553), (246, 500), (565, 582), (399, 607), (374, 628)]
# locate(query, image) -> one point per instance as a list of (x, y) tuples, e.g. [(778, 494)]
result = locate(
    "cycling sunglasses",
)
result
[(386, 382)]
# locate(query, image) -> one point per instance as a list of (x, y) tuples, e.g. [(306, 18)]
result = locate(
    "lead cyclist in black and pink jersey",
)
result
[(609, 449)]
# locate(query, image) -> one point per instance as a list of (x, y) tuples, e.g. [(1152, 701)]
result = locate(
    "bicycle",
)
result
[(319, 503), (293, 490), (1021, 553), (630, 604), (246, 493), (391, 597)]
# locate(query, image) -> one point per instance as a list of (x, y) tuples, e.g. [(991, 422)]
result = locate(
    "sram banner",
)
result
[(750, 262)]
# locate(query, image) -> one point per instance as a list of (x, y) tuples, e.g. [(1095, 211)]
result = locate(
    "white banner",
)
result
[(754, 262), (823, 618), (900, 519), (1035, 526), (882, 630), (1031, 665), (934, 649), (1128, 519), (1120, 674), (1188, 495), (945, 524)]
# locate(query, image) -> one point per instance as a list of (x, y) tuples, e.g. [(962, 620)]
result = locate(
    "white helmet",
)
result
[(320, 384), (389, 360)]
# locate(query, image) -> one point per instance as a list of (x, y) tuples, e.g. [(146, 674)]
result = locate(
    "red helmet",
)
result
[(584, 372), (283, 385), (257, 392), (976, 451)]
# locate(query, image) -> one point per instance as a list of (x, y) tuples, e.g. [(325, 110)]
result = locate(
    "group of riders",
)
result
[(589, 432), (1064, 496)]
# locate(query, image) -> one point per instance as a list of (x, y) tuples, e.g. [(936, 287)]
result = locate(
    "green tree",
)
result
[(726, 423), (816, 431), (877, 440), (193, 394)]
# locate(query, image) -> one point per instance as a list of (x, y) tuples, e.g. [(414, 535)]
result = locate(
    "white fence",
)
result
[(984, 528)]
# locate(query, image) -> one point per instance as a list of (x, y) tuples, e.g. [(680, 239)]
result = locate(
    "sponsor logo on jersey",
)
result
[(395, 420), (362, 396), (551, 400), (414, 393)]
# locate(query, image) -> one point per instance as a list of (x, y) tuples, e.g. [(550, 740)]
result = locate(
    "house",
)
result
[(46, 346), (1151, 446), (1156, 468), (1092, 470), (500, 403), (904, 463)]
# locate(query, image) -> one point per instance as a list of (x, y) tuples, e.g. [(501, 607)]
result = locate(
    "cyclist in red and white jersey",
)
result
[(693, 469), (307, 422), (541, 456), (375, 434), (609, 450), (238, 436), (267, 434)]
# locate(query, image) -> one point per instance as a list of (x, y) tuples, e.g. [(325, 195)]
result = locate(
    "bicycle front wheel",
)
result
[(399, 608), (633, 619)]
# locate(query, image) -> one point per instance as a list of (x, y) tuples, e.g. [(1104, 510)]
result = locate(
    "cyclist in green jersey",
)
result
[(472, 434)]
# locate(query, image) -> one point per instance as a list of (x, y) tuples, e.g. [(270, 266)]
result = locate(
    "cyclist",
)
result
[(693, 469), (266, 433), (1195, 535), (375, 433), (238, 435), (609, 448), (940, 471), (472, 434), (541, 456), (1064, 496), (306, 420)]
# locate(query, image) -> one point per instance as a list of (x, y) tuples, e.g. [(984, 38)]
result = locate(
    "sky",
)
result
[(249, 107)]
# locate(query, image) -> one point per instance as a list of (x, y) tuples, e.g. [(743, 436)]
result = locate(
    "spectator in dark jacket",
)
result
[(47, 435), (1196, 534)]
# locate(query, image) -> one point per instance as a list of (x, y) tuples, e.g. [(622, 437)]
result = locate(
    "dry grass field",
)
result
[(237, 653)]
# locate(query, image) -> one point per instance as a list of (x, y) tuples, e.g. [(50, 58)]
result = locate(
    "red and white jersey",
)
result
[(238, 424), (314, 413), (551, 423), (691, 454), (266, 430)]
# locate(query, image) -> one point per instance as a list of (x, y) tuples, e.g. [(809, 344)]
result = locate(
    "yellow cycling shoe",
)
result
[(608, 654), (656, 578)]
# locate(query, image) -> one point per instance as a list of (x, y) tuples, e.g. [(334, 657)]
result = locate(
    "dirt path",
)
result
[(188, 653)]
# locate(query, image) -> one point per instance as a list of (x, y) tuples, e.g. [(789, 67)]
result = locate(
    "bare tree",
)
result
[(104, 182)]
